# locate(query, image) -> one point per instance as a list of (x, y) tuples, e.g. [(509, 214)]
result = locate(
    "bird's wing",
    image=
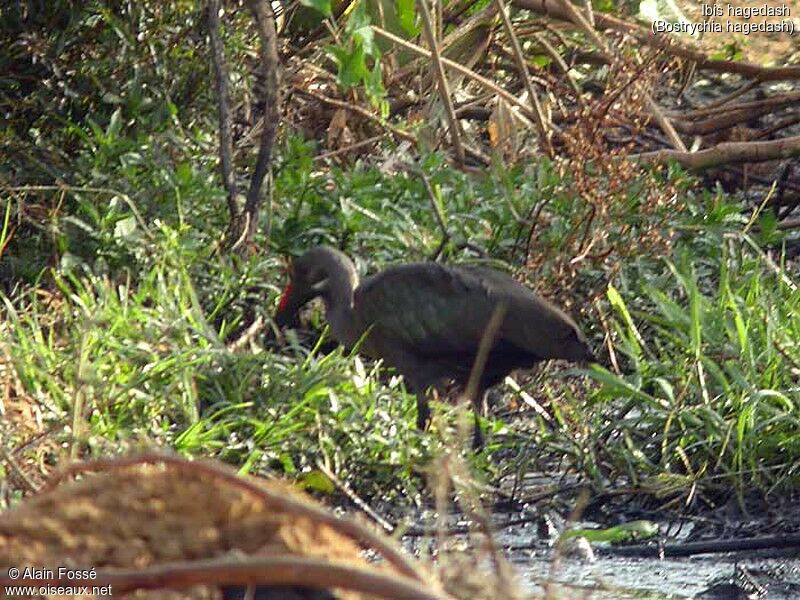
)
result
[(532, 323), (427, 307)]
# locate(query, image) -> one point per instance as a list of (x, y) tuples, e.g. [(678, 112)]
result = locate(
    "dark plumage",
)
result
[(427, 319)]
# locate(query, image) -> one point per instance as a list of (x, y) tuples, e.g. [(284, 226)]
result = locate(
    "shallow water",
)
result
[(609, 577), (642, 578)]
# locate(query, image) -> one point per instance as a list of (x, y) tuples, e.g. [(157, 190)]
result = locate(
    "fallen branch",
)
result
[(713, 124), (726, 153), (773, 542), (782, 124), (775, 102), (740, 91)]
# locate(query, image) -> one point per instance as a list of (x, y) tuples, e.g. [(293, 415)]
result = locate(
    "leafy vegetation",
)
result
[(710, 342), (119, 309)]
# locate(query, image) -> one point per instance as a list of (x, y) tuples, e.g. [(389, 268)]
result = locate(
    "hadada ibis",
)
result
[(427, 320)]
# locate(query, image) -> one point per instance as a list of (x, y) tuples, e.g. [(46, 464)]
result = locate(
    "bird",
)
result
[(427, 319)]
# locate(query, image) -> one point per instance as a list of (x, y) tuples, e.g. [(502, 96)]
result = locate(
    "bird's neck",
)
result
[(339, 306)]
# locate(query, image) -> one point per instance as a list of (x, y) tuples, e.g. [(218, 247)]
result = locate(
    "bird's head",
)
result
[(574, 345), (557, 335), (319, 272)]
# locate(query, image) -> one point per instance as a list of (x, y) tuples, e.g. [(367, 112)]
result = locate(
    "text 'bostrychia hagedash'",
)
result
[(427, 320)]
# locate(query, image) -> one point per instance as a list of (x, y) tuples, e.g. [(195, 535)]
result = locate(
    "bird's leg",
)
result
[(478, 410), (423, 411), (477, 434)]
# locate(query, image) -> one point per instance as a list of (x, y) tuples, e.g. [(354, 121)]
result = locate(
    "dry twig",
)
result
[(441, 76), (479, 79), (18, 471), (536, 105), (360, 111), (355, 498), (559, 60)]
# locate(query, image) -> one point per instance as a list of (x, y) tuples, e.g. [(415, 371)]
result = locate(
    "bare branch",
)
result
[(265, 24), (404, 135), (223, 101)]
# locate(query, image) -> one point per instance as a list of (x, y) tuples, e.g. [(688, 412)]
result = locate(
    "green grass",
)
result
[(711, 387), (118, 307), (706, 340), (136, 359)]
